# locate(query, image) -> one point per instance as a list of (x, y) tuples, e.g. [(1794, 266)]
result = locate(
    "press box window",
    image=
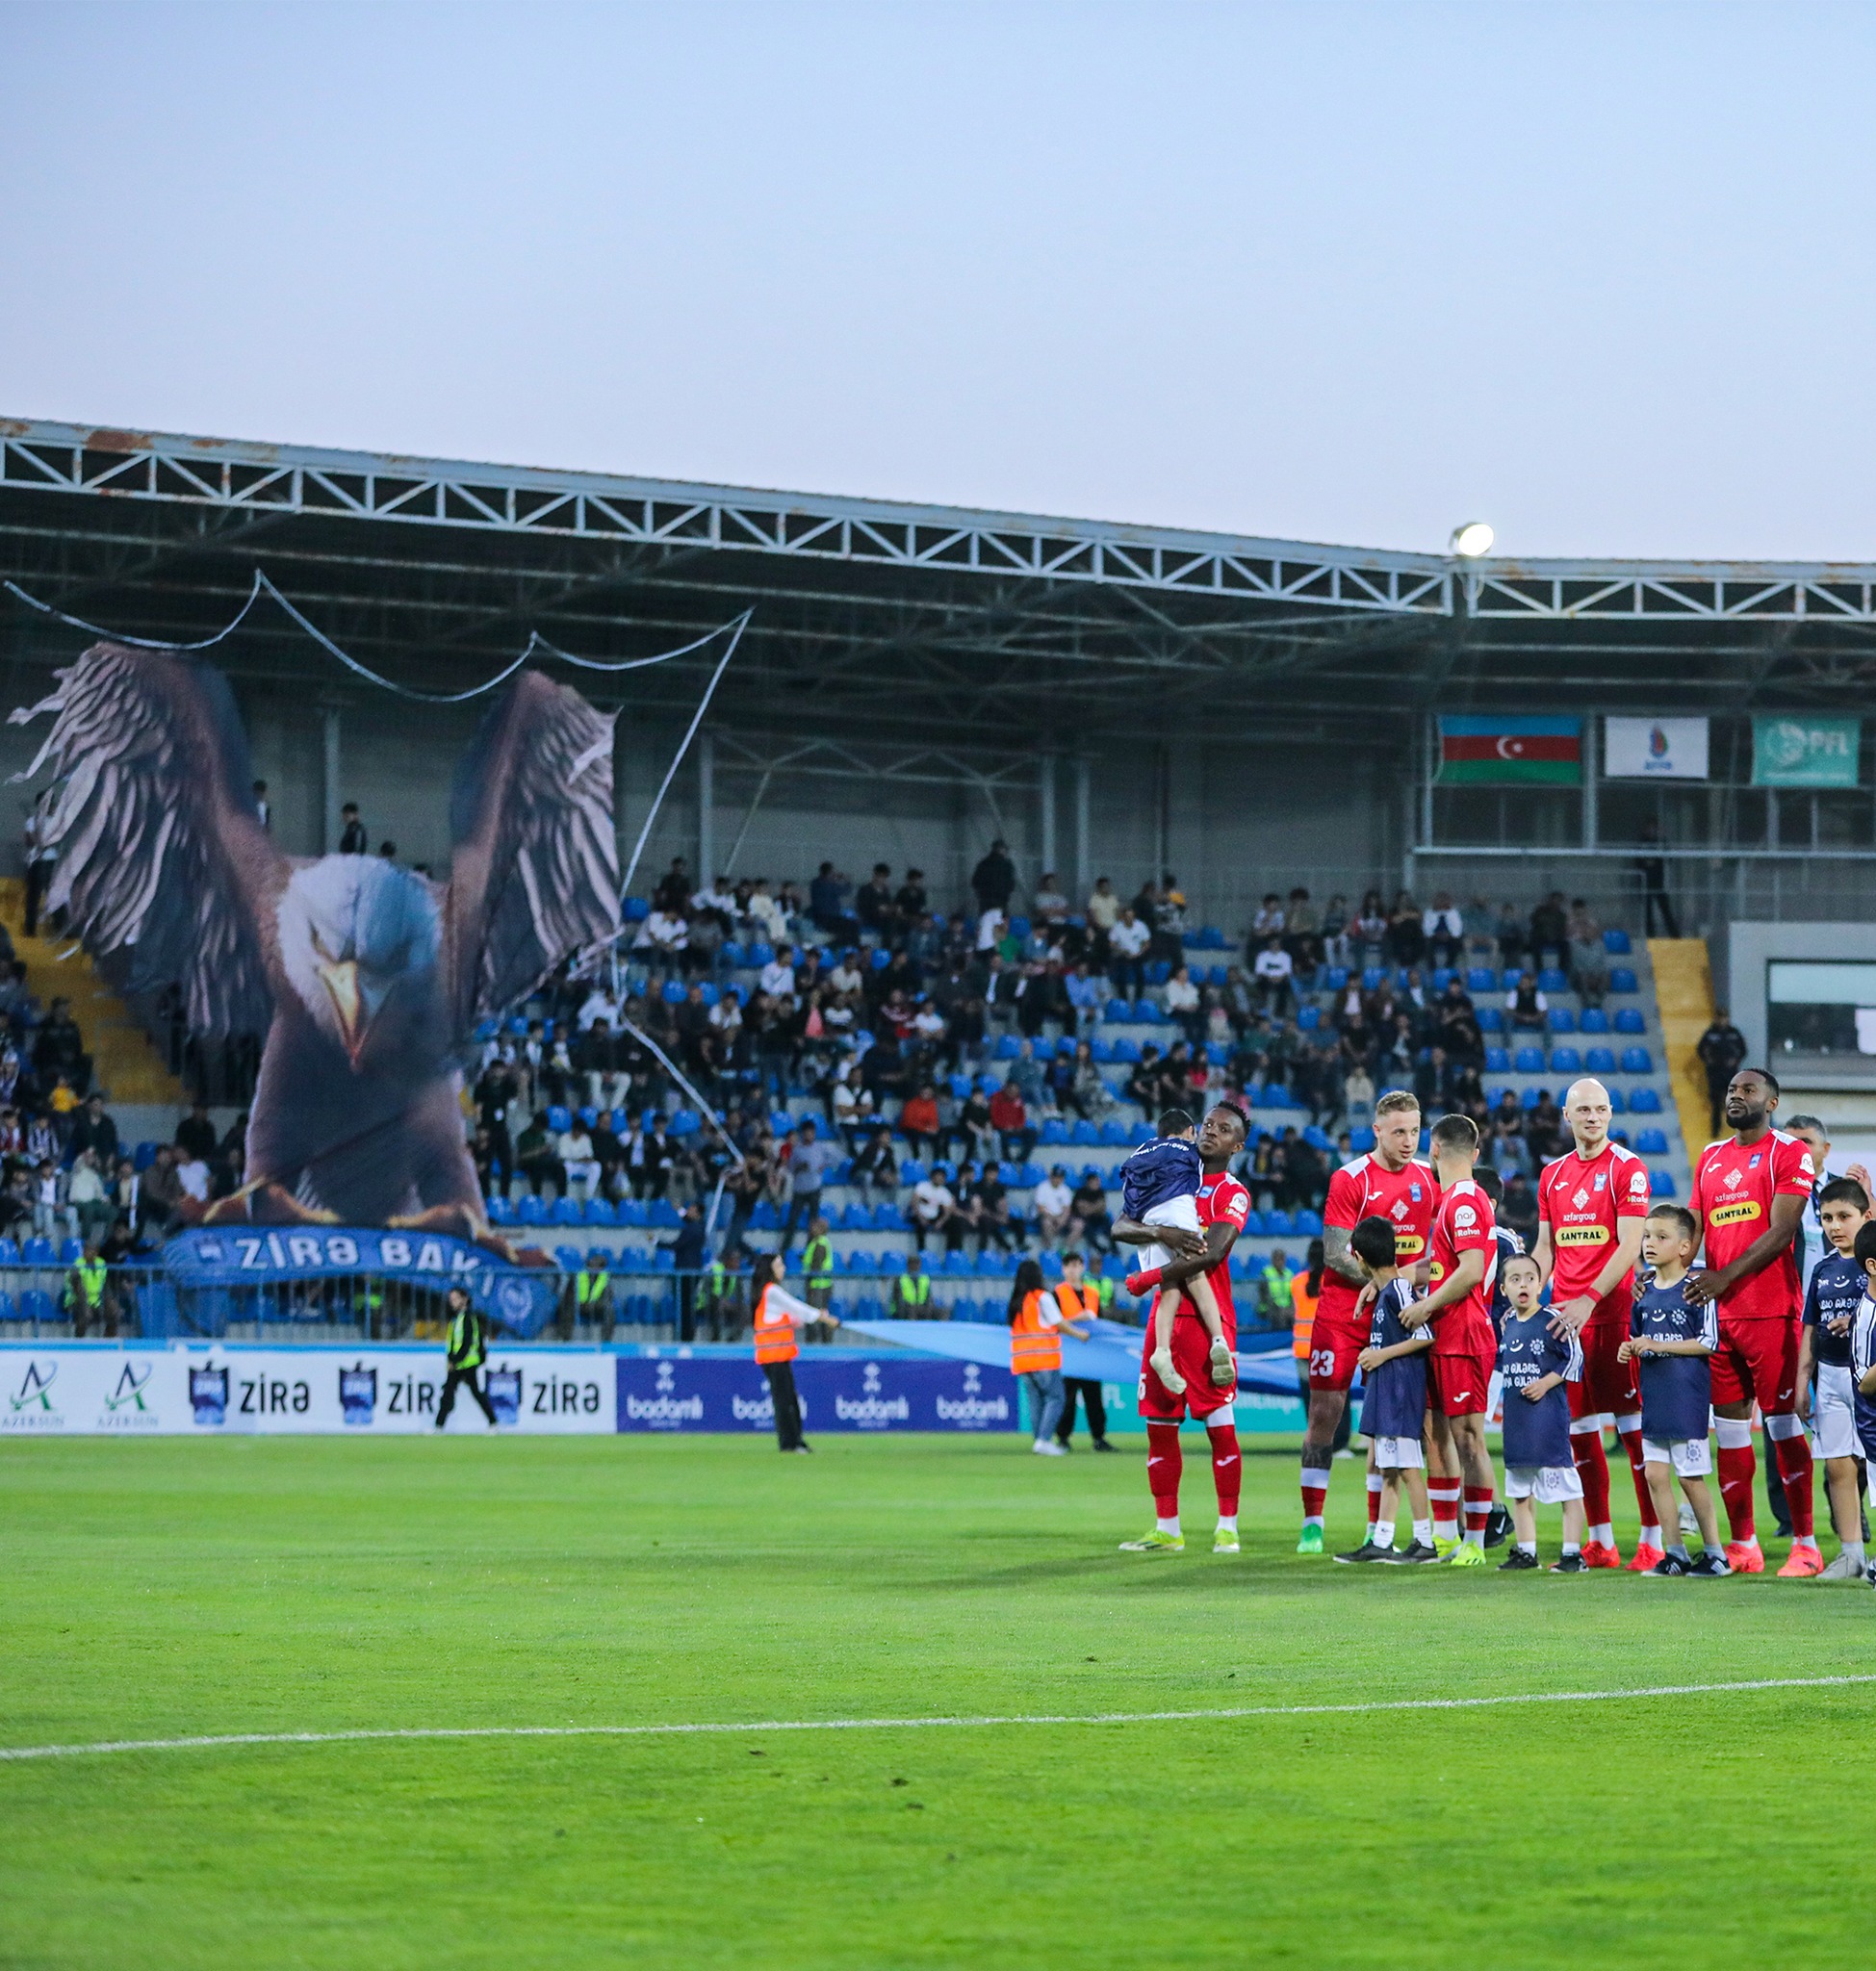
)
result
[(1821, 1008)]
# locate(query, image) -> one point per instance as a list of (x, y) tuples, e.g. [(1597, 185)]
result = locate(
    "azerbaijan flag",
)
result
[(1505, 751)]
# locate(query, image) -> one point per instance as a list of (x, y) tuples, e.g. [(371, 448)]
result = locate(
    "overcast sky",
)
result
[(1602, 276)]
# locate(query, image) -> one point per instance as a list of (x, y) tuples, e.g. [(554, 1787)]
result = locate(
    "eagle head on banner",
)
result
[(366, 979)]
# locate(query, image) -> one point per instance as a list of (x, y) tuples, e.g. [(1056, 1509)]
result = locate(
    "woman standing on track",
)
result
[(1036, 1325), (777, 1315)]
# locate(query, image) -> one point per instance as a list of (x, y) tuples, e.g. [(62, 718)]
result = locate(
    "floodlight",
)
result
[(1473, 539)]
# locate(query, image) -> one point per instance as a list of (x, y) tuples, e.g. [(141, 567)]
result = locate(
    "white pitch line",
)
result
[(708, 1729)]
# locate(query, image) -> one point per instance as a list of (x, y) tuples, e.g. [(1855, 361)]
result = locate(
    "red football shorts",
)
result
[(1192, 1357), (1461, 1385), (1332, 1353), (1756, 1361), (1608, 1388)]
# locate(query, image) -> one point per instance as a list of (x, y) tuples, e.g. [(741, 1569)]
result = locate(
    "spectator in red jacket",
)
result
[(1010, 1118)]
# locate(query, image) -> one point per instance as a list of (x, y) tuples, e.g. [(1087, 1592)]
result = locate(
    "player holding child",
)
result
[(1159, 1186)]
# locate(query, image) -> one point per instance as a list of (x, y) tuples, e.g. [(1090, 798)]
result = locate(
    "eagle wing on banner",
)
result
[(164, 868), (535, 874)]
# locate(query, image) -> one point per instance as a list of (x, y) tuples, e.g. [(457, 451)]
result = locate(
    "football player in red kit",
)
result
[(1463, 1265), (1749, 1194), (1392, 1183), (1592, 1204), (1224, 1204)]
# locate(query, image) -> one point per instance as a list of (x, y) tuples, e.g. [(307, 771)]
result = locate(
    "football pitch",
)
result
[(173, 1588)]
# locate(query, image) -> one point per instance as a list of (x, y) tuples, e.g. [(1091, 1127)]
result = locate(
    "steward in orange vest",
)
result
[(1077, 1297), (777, 1315), (1036, 1324)]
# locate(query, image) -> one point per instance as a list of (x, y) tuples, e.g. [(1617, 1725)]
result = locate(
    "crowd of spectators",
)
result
[(939, 1035)]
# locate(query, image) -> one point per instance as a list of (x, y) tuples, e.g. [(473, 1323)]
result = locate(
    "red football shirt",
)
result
[(1465, 1222), (1222, 1199), (1584, 1201), (1735, 1185), (1367, 1189)]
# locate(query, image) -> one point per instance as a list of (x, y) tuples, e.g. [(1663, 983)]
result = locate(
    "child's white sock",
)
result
[(1171, 1525), (1423, 1532), (1853, 1551), (1528, 1546), (1381, 1534), (1569, 1547), (1678, 1550)]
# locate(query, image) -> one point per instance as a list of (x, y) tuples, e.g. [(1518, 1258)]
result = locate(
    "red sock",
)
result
[(1593, 1468), (1738, 1464), (1164, 1467), (1443, 1498), (1794, 1467), (1315, 1489), (1227, 1470), (1142, 1283), (1644, 1499), (1479, 1507), (1374, 1482)]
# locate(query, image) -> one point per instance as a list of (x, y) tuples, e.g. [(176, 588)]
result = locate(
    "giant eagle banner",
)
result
[(364, 980)]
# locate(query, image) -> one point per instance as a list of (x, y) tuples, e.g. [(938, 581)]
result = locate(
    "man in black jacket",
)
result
[(994, 881)]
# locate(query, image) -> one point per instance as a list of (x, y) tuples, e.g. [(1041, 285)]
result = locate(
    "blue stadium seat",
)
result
[(1600, 1061), (599, 1212), (1652, 1142), (1008, 1047), (1309, 1018), (685, 1122), (1221, 974), (1565, 1060), (765, 1218), (960, 1088), (892, 1261), (71, 1251), (1616, 944), (1084, 1132), (1361, 1139), (1594, 1020), (1443, 977), (665, 1216), (888, 1217), (1141, 1133), (1216, 1053), (1532, 1097), (1638, 1061), (634, 1213), (1560, 1020), (957, 1265), (1319, 1140), (1491, 1019), (1623, 980), (1101, 1052), (634, 909), (911, 1171), (1158, 972), (1273, 1095), (1617, 1102), (1280, 1225), (1480, 979), (673, 992), (1255, 1227), (1114, 1135), (1509, 978), (569, 1258), (1660, 1182), (560, 1119), (1309, 1224), (1127, 1051), (1551, 979), (1374, 978), (1498, 1060), (664, 1261), (1530, 1060), (855, 1219), (1065, 1046), (1055, 1132), (1241, 1261), (145, 1154), (862, 1263), (500, 1210), (761, 954), (1338, 978), (733, 955), (1629, 1020), (531, 1211), (1645, 1102), (566, 1211), (35, 1304)]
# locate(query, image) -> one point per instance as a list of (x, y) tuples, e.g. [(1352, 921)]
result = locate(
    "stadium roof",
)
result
[(875, 620)]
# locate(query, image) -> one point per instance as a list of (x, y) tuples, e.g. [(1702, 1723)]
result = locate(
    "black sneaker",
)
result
[(1416, 1555), (1101, 1444), (1498, 1526), (1515, 1561), (1672, 1565), (1367, 1551), (1711, 1565), (1570, 1564)]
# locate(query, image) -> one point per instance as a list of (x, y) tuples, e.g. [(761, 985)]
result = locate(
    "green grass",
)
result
[(176, 1587)]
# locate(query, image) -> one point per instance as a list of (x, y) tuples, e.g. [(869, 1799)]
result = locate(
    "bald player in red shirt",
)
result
[(1592, 1203), (1750, 1191), (1392, 1183)]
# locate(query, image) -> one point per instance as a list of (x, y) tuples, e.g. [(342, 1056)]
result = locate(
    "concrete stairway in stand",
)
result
[(1684, 993), (125, 1066)]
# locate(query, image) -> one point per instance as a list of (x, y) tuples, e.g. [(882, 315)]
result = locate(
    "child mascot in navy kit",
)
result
[(1159, 1186), (1534, 1366), (1673, 1340)]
